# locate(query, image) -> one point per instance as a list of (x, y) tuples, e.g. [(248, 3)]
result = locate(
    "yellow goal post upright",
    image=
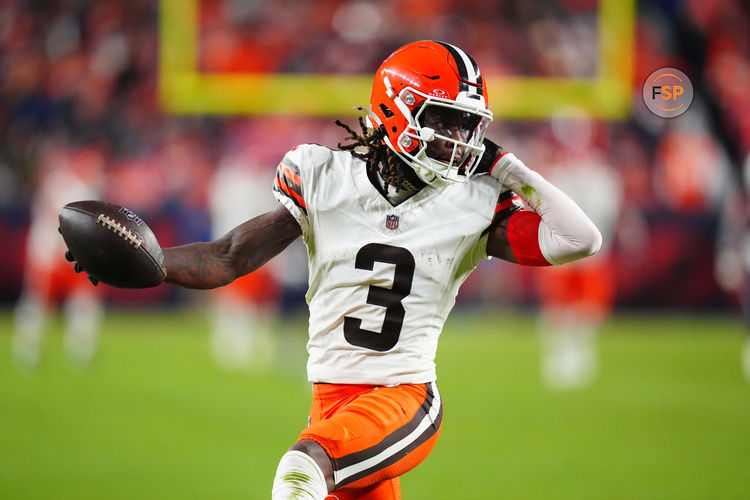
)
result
[(183, 89)]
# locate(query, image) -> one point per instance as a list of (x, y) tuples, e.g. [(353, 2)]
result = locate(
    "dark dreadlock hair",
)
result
[(368, 145)]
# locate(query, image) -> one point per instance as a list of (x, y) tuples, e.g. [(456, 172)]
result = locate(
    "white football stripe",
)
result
[(427, 421), (472, 75)]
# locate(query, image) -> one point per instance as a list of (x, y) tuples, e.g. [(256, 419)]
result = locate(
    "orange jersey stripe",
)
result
[(289, 174), (502, 205), (290, 192)]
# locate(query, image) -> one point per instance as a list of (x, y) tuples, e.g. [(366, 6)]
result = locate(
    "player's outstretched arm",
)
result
[(241, 251), (554, 231)]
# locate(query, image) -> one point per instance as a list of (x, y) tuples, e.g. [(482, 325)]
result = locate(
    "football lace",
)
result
[(121, 230)]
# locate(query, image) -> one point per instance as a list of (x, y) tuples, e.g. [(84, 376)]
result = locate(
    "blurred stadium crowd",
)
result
[(79, 106)]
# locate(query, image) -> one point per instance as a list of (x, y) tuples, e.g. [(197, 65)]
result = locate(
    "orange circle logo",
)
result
[(667, 92)]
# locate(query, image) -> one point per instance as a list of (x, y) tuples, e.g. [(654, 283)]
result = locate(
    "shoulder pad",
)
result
[(309, 155)]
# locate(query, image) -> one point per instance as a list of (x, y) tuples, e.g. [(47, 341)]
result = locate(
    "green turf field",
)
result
[(668, 418)]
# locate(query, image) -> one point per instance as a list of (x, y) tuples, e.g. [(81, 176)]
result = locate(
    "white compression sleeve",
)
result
[(565, 232), (298, 477)]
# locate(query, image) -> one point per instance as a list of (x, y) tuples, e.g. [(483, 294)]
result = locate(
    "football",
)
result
[(112, 244)]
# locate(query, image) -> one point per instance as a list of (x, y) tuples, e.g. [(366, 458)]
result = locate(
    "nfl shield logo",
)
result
[(391, 221)]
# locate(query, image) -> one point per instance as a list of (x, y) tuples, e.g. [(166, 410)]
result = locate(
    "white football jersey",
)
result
[(382, 279)]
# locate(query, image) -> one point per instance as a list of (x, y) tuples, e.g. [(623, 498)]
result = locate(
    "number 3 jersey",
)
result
[(382, 279)]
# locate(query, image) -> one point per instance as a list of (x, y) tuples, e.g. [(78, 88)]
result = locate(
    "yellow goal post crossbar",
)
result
[(183, 89)]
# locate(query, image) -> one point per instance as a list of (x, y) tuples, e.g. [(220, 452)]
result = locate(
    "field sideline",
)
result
[(668, 418)]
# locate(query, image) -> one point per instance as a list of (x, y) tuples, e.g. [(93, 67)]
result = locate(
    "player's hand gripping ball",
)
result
[(112, 244)]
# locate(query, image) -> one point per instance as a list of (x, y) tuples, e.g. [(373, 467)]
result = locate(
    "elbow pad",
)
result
[(523, 236)]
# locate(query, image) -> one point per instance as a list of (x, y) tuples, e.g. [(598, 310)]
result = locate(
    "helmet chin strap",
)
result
[(426, 173)]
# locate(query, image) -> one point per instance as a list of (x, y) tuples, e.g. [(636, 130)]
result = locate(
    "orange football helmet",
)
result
[(427, 91)]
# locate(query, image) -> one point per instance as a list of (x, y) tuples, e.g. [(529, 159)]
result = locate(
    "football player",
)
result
[(240, 313), (577, 299), (47, 279), (394, 222)]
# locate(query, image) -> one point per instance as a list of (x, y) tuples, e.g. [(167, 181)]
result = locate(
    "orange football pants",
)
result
[(56, 282), (588, 285), (373, 434)]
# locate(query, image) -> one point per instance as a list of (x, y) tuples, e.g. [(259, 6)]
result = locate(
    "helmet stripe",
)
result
[(463, 74), (467, 68)]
